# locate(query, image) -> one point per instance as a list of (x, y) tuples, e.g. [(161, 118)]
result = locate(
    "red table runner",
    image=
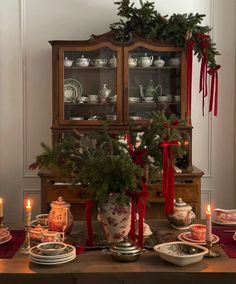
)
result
[(226, 239), (9, 249)]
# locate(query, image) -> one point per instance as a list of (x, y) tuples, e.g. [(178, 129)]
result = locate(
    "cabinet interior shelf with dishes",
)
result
[(100, 79)]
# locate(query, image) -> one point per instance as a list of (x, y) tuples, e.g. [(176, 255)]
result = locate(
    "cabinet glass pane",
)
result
[(90, 85), (154, 83)]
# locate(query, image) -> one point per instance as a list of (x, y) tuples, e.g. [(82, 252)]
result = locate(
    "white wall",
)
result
[(26, 26)]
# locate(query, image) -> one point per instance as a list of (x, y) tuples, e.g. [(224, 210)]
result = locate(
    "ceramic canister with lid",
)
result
[(60, 218)]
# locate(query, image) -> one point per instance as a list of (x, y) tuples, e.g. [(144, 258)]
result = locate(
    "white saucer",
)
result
[(234, 237), (186, 236), (180, 228), (223, 223), (5, 240)]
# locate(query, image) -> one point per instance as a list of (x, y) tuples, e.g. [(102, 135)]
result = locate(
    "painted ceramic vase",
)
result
[(60, 218), (115, 219)]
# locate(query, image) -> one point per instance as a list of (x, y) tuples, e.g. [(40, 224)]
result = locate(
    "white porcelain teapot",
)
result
[(182, 216), (60, 218), (145, 61)]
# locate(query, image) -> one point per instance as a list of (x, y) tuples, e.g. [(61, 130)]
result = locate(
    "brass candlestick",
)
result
[(211, 253), (26, 246)]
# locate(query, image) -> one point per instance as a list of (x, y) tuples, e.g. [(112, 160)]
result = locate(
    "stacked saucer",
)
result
[(38, 256), (5, 236)]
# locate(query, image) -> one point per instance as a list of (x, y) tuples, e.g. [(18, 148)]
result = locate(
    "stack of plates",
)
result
[(36, 256), (5, 236)]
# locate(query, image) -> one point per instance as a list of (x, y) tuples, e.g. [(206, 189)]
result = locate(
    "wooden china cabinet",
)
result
[(100, 79)]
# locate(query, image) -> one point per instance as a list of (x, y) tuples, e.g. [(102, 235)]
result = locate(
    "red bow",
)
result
[(168, 176), (138, 206), (214, 88)]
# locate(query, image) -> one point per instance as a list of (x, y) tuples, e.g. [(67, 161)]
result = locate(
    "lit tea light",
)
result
[(208, 224)]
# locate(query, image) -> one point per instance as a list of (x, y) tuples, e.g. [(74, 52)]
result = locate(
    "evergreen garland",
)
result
[(147, 22)]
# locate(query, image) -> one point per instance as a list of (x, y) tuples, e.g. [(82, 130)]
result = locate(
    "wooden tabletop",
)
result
[(97, 267)]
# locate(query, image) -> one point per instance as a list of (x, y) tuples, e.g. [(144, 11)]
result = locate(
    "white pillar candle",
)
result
[(1, 207), (28, 210), (208, 224)]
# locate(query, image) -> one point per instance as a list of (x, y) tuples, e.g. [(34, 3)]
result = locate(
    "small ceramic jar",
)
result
[(159, 62), (174, 61)]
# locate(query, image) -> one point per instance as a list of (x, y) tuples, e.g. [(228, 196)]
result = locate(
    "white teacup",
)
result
[(83, 99), (93, 98)]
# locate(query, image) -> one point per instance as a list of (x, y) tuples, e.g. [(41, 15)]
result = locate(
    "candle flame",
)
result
[(28, 203), (208, 208), (1, 201)]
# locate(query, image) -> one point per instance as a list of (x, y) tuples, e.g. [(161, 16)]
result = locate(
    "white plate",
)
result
[(186, 236), (53, 263), (223, 223), (52, 260), (4, 234), (72, 90), (35, 252), (7, 239)]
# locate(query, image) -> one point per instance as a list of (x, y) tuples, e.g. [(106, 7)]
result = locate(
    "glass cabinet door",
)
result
[(90, 85), (154, 82)]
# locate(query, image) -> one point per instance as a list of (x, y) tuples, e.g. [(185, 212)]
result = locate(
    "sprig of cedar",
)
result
[(148, 23)]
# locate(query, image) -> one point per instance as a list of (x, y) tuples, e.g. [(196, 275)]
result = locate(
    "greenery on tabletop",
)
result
[(147, 22)]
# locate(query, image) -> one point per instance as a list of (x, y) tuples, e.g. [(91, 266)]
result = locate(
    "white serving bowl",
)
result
[(164, 99), (181, 253), (148, 99), (51, 248)]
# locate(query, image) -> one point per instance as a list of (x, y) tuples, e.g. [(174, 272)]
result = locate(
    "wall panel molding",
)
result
[(26, 173)]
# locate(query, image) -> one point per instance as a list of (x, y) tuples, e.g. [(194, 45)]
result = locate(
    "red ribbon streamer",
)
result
[(213, 72), (203, 40), (138, 206), (190, 44), (88, 208), (168, 176)]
